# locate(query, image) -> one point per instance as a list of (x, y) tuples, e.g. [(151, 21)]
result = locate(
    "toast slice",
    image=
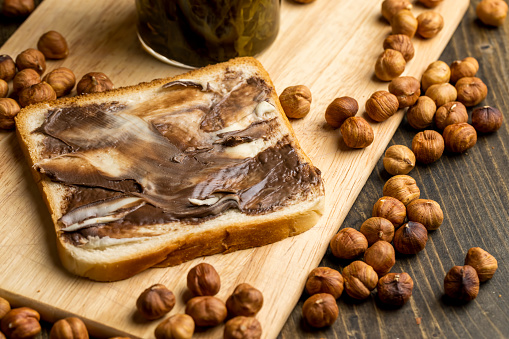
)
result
[(163, 172)]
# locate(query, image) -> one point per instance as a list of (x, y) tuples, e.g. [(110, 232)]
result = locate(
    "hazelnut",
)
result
[(21, 323), (471, 91), (245, 300), (62, 80), (348, 243), (69, 328), (360, 279), (53, 45), (451, 113), (203, 279), (18, 8), (426, 212), (25, 79), (459, 137), (178, 326), (31, 58), (382, 105), (155, 302), (410, 238), (420, 115), (486, 119), (4, 88), (442, 93), (401, 43), (467, 67), (438, 72), (404, 22), (389, 65), (339, 110), (242, 328), (406, 89), (381, 257), (377, 228), (391, 7), (430, 3), (36, 93), (403, 188), (5, 307), (320, 310), (296, 101), (395, 288), (428, 146), (484, 263), (430, 23), (399, 159), (9, 108), (391, 209), (303, 1), (94, 82), (325, 280), (356, 132), (492, 12), (7, 67), (206, 310), (462, 282)]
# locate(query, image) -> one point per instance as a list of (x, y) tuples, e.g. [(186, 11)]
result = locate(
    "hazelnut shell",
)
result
[(242, 328), (53, 45), (94, 82), (155, 302), (391, 209), (442, 93), (9, 108), (407, 90), (339, 110), (296, 101), (348, 243), (403, 188), (357, 133), (245, 301), (391, 7), (7, 68), (471, 91), (377, 228), (426, 212), (320, 310), (404, 22), (438, 72), (178, 326), (492, 12), (22, 322), (462, 283), (382, 105), (389, 65), (203, 279), (487, 119), (381, 256), (399, 159), (401, 43), (420, 115), (206, 310), (484, 263), (325, 280), (452, 112), (459, 137), (360, 279), (430, 23), (31, 58), (395, 288), (410, 238), (72, 327), (428, 146)]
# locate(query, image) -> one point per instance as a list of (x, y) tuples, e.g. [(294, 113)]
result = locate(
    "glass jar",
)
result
[(201, 32)]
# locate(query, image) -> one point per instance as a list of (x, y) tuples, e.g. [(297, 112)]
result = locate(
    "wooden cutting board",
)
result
[(330, 46)]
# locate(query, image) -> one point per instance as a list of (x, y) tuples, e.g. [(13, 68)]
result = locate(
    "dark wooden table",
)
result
[(473, 191)]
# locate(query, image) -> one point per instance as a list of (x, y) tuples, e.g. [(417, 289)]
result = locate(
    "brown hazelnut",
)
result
[(407, 89), (451, 113), (492, 12), (442, 93), (178, 326), (18, 8), (245, 300), (69, 328), (381, 257), (36, 93), (426, 212), (486, 119), (7, 67), (391, 7), (438, 72), (403, 188), (360, 279), (155, 302), (430, 23), (21, 323), (471, 91), (325, 280), (53, 45), (303, 1), (296, 101), (389, 65), (320, 310), (31, 58), (9, 108), (339, 110), (420, 115), (206, 310), (62, 80), (430, 3), (399, 159), (377, 228), (462, 282), (467, 67), (25, 79), (459, 137), (395, 288), (242, 328), (94, 82), (382, 105), (484, 263), (410, 238), (203, 279), (357, 133), (348, 243), (428, 146), (391, 209), (4, 88), (5, 307), (401, 43), (404, 22)]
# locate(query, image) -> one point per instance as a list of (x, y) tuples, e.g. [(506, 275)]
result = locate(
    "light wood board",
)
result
[(328, 45)]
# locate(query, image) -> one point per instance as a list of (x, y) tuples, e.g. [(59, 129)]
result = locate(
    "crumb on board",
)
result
[(500, 295), (418, 320)]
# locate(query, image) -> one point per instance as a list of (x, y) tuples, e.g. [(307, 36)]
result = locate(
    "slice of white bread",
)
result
[(194, 113)]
